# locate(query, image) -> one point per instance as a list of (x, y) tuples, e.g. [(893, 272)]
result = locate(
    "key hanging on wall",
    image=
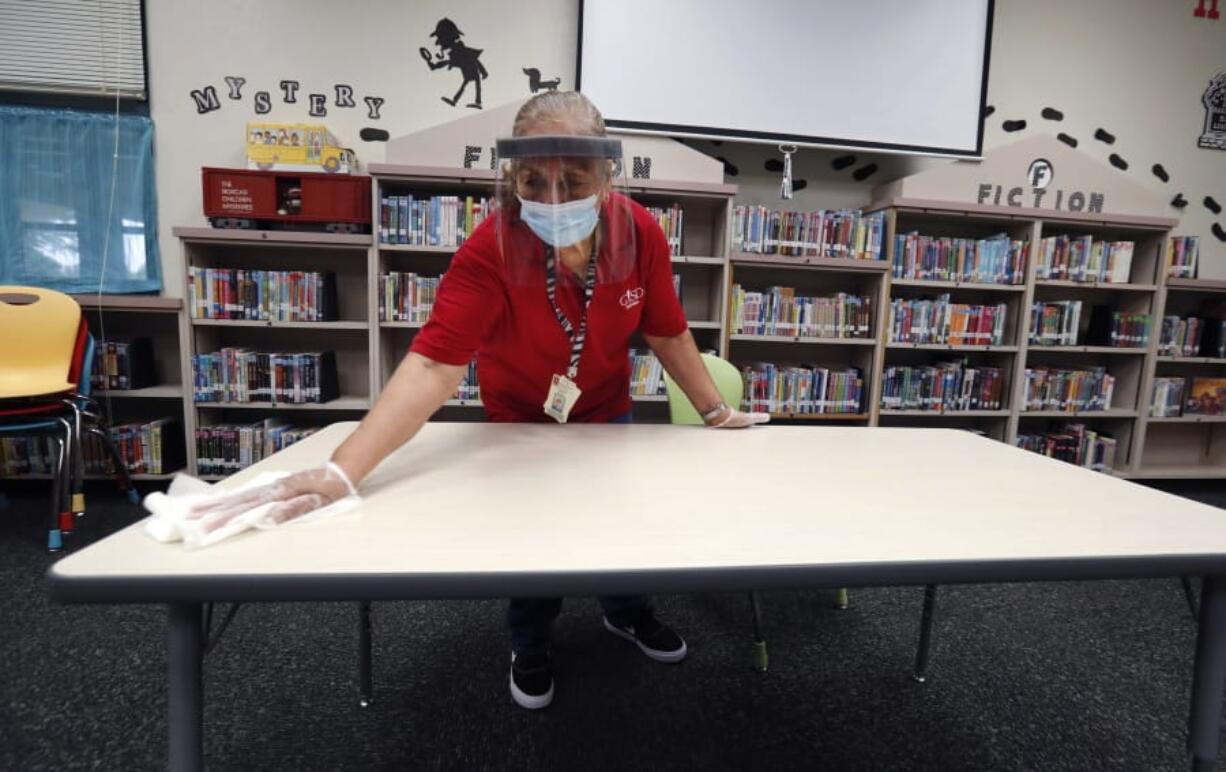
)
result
[(785, 186)]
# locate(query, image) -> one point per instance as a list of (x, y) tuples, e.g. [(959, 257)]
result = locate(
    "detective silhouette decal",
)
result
[(454, 55)]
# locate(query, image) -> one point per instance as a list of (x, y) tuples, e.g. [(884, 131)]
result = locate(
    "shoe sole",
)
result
[(530, 701), (658, 656)]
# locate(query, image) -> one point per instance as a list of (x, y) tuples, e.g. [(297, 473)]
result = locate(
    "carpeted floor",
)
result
[(1059, 676)]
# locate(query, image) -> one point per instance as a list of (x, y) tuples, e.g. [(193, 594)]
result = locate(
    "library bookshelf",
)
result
[(1148, 447), (346, 257)]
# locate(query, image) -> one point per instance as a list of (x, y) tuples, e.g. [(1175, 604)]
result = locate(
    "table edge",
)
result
[(447, 586)]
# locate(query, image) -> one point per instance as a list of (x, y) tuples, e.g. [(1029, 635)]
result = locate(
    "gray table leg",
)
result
[(186, 653), (925, 641), (366, 680), (1204, 728)]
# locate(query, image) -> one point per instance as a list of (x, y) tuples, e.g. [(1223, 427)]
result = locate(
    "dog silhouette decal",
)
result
[(535, 83)]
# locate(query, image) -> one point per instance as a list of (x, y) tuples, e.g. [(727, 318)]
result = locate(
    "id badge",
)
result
[(563, 394)]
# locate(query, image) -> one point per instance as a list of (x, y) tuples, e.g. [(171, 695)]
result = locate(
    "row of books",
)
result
[(1071, 390), (925, 321), (123, 364), (771, 388), (671, 221), (148, 447), (1167, 398), (407, 297), (224, 449), (945, 387), (846, 233), (1081, 258), (1207, 396), (243, 375), (1181, 337), (437, 221), (1076, 444), (780, 311), (994, 260), (1058, 323), (646, 374), (1128, 330), (279, 296), (1182, 254)]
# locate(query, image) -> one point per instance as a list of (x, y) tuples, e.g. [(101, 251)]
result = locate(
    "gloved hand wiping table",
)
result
[(199, 514)]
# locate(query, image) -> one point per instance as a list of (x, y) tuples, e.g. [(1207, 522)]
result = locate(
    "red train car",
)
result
[(243, 198)]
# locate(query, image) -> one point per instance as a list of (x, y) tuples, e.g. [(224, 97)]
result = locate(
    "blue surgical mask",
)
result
[(560, 225)]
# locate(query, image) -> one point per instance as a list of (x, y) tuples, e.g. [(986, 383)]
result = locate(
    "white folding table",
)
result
[(481, 510)]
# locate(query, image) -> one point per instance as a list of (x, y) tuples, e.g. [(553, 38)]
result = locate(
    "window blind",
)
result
[(90, 47)]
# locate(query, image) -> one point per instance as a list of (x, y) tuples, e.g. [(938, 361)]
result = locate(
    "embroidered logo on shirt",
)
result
[(631, 298)]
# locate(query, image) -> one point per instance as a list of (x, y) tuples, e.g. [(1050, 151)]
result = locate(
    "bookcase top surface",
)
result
[(487, 177), (473, 510), (105, 302)]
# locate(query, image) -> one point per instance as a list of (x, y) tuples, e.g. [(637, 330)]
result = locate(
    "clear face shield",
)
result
[(563, 195)]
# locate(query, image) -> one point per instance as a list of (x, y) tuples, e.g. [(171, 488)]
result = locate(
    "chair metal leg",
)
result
[(761, 659), (121, 470), (365, 679), (66, 475), (55, 540), (77, 456), (925, 641)]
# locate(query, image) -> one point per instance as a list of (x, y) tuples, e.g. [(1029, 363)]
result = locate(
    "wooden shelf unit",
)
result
[(1191, 447), (347, 256)]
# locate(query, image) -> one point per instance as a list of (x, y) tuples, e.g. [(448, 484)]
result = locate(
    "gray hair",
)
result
[(566, 107)]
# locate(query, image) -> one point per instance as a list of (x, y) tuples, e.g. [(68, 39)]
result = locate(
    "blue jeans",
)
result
[(531, 619)]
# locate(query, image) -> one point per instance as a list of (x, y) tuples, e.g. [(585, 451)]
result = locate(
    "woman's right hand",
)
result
[(291, 497)]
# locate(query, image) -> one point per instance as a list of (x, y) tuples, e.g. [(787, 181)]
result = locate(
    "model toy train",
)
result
[(274, 200)]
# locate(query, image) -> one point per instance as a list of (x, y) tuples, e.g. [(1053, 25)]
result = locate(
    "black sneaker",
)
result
[(656, 639), (531, 680)]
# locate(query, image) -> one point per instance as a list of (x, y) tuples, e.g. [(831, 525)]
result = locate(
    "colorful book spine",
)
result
[(994, 260), (437, 221), (1068, 390), (941, 321), (786, 390), (1055, 323), (843, 233), (1076, 444), (1182, 256), (946, 387), (407, 297), (1082, 259), (1167, 398), (779, 311)]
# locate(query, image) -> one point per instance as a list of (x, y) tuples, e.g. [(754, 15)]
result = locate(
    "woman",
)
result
[(545, 294)]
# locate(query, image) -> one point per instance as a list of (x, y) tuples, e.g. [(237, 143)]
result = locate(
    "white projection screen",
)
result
[(895, 75)]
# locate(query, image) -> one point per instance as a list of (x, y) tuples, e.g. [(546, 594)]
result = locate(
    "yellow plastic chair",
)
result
[(728, 380), (38, 333)]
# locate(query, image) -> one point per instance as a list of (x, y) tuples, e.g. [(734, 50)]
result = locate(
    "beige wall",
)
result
[(1134, 67)]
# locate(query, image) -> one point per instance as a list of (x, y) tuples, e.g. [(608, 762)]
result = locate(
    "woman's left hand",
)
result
[(735, 419)]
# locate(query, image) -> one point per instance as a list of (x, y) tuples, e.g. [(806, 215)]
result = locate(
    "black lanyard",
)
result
[(589, 287)]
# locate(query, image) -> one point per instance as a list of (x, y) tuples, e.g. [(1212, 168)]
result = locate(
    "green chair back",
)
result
[(727, 379)]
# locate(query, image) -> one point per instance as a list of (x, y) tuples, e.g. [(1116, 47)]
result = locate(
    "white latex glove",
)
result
[(291, 497), (735, 419)]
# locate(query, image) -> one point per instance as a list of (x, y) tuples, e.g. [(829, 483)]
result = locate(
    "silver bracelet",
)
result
[(713, 412)]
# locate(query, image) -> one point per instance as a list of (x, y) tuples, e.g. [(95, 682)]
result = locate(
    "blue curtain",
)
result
[(58, 221)]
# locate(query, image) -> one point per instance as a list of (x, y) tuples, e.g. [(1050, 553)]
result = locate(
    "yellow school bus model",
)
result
[(297, 147)]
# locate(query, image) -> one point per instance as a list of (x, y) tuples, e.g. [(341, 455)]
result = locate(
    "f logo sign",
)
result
[(631, 298), (1040, 174)]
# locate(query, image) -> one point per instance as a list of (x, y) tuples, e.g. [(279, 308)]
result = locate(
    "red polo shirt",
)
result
[(504, 318)]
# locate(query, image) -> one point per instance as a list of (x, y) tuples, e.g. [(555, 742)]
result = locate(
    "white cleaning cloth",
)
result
[(169, 522)]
